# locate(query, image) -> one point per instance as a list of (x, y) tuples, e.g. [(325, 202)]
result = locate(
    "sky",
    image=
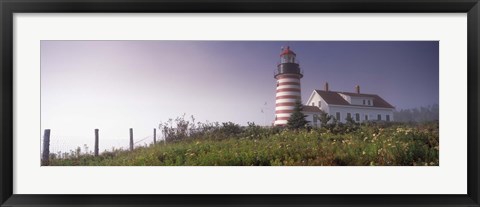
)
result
[(117, 85)]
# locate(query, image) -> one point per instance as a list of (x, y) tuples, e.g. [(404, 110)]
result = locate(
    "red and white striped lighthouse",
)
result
[(288, 77)]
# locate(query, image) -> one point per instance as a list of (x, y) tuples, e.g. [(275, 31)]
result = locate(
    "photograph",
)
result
[(239, 103)]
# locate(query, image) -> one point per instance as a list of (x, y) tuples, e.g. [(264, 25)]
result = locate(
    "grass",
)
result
[(363, 145)]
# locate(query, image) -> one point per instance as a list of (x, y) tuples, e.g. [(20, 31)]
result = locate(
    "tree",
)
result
[(418, 115), (324, 118), (297, 119)]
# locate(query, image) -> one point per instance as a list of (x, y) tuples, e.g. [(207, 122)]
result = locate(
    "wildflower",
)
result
[(363, 153)]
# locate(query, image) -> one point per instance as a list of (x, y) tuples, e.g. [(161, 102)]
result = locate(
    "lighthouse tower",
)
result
[(288, 77)]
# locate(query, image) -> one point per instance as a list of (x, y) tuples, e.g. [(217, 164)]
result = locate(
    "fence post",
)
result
[(46, 147), (96, 142), (131, 139), (154, 135)]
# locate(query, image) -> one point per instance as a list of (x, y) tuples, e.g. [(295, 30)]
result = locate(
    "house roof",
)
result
[(311, 109), (334, 97)]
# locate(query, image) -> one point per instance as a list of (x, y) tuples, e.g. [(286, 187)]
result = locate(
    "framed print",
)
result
[(239, 103)]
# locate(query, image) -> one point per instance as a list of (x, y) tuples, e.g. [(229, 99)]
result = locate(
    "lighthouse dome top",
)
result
[(288, 64), (287, 51)]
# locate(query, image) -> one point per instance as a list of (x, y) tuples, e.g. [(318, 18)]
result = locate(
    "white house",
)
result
[(359, 106)]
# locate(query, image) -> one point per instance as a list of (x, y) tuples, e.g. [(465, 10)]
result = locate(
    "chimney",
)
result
[(326, 86), (357, 89)]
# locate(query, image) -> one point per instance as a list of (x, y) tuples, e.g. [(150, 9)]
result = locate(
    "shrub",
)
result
[(230, 129), (297, 118), (230, 144)]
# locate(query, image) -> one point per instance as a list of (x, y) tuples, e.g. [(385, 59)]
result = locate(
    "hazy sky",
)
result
[(115, 85)]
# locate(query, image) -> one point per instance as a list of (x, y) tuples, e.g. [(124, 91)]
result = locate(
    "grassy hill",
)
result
[(358, 145)]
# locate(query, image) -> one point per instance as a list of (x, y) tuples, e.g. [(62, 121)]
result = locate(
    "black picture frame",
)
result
[(9, 7)]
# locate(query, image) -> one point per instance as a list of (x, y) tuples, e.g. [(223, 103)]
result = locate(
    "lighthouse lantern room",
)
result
[(288, 77)]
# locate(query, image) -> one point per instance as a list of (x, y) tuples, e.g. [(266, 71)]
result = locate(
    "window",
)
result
[(315, 119), (338, 116), (379, 117), (369, 102), (357, 117), (363, 101), (349, 116), (388, 117), (313, 103), (366, 117), (320, 104), (288, 59)]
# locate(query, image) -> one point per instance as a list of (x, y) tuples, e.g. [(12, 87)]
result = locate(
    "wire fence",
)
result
[(63, 146)]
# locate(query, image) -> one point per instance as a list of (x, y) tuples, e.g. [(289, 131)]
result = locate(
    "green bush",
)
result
[(229, 144)]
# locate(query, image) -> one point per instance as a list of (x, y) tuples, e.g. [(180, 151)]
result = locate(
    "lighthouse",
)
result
[(288, 77)]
